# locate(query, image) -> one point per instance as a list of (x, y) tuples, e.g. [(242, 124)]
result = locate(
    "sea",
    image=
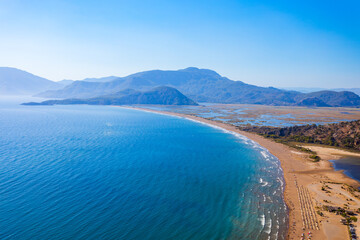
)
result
[(105, 172)]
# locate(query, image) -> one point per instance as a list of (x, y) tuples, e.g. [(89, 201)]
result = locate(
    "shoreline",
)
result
[(333, 154), (301, 177)]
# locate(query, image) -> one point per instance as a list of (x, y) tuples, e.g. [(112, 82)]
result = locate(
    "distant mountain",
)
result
[(205, 85), (199, 84), (160, 95), (66, 82), (354, 90), (304, 89), (309, 90), (17, 82), (333, 99), (102, 79), (312, 102)]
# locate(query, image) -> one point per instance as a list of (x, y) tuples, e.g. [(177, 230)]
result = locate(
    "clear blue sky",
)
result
[(306, 43)]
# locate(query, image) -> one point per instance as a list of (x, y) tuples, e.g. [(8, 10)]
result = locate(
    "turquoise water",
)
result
[(95, 172)]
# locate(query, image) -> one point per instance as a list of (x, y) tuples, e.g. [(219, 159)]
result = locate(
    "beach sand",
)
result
[(305, 179)]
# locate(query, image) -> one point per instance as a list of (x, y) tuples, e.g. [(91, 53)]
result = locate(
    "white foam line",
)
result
[(268, 226), (262, 220), (265, 184), (265, 153), (238, 135)]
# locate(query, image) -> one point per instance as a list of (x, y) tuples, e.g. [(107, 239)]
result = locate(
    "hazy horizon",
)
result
[(263, 43), (296, 88)]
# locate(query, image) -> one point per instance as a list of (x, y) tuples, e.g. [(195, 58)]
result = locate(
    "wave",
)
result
[(273, 186), (262, 220), (268, 225)]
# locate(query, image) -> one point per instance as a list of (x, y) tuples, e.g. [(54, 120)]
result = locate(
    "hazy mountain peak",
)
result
[(202, 85), (162, 95), (16, 71), (100, 79), (200, 71), (14, 81)]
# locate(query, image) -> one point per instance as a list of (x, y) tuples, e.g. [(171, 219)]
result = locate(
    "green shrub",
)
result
[(353, 219), (315, 157)]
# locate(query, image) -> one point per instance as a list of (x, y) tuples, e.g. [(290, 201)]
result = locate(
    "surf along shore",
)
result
[(310, 187)]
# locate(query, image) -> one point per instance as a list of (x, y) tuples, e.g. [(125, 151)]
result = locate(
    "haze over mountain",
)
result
[(160, 95), (66, 82), (332, 98), (205, 85), (354, 90), (18, 82), (101, 79), (202, 85), (309, 90)]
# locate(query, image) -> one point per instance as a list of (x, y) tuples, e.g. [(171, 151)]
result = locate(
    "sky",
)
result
[(308, 43)]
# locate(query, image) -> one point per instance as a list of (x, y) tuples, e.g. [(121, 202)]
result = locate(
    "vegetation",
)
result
[(320, 213), (346, 214), (344, 134), (315, 157), (353, 219)]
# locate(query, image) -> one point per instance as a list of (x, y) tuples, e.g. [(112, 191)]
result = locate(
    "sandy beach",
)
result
[(309, 185)]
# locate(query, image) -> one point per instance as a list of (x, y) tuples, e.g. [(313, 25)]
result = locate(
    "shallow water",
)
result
[(238, 116), (95, 172), (350, 165)]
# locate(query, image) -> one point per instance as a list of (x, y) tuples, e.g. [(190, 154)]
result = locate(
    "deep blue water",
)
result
[(96, 172), (350, 165)]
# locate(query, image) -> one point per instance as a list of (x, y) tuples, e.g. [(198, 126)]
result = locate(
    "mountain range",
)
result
[(309, 90), (101, 79), (201, 85), (159, 95), (17, 82)]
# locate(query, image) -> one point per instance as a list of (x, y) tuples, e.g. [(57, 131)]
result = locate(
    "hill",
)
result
[(332, 98), (309, 90), (101, 79), (312, 102), (205, 85), (344, 134), (354, 90), (17, 82), (160, 95), (66, 82)]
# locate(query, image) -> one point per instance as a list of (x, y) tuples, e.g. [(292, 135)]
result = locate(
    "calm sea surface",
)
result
[(350, 165), (96, 172)]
